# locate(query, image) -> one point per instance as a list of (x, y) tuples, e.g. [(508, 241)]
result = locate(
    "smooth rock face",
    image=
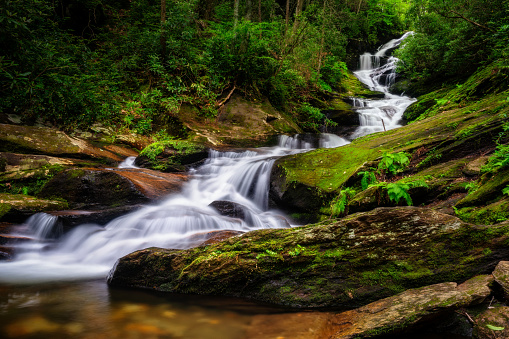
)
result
[(43, 140), (497, 317), (342, 263), (107, 188), (405, 309), (501, 274)]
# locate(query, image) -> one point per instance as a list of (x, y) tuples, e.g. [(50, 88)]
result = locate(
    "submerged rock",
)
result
[(347, 263), (229, 209)]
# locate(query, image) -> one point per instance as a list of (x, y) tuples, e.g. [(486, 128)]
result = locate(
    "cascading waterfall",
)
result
[(378, 72), (89, 251)]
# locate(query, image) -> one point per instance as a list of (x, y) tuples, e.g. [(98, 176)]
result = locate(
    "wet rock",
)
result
[(501, 274), (492, 323), (4, 255), (348, 262), (72, 218), (229, 209), (409, 308), (108, 188)]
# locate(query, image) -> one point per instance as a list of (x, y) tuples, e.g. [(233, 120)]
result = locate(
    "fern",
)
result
[(393, 162), (506, 190), (398, 191), (368, 178), (340, 204)]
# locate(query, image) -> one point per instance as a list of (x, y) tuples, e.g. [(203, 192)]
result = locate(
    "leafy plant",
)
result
[(297, 250), (339, 205), (393, 163), (368, 178), (506, 190)]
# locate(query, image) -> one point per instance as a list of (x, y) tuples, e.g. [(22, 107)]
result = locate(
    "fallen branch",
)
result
[(221, 103)]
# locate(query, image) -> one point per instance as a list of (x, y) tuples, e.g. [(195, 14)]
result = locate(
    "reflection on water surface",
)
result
[(92, 310)]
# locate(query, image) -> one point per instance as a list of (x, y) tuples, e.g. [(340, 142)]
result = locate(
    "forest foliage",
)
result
[(131, 65), (72, 63)]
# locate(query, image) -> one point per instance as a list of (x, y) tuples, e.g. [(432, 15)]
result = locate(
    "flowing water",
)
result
[(378, 72), (67, 301)]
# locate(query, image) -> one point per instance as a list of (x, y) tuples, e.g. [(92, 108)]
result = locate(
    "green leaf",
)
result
[(494, 328)]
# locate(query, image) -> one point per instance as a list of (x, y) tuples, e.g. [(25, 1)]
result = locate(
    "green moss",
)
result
[(4, 209)]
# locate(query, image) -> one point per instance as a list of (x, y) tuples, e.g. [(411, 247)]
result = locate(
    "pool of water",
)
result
[(93, 310)]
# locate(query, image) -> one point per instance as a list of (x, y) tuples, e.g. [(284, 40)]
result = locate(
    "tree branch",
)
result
[(461, 16)]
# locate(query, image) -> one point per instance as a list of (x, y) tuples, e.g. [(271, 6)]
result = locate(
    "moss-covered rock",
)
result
[(47, 141), (18, 207), (345, 262), (446, 131)]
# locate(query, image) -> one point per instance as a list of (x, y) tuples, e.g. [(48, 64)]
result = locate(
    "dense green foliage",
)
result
[(74, 63), (453, 38)]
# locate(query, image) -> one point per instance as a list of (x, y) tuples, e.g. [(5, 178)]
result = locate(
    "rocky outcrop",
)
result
[(107, 188), (18, 207), (409, 308), (348, 262), (47, 141)]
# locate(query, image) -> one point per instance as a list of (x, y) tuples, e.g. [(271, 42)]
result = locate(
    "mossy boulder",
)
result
[(450, 130), (341, 263), (18, 207), (171, 156), (47, 141)]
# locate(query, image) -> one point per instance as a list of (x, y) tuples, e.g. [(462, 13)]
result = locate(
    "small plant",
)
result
[(506, 190), (297, 250), (397, 191), (393, 163), (368, 178), (472, 187), (339, 205)]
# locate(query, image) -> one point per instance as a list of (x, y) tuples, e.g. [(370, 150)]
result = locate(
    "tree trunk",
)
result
[(287, 17), (259, 10), (298, 12), (235, 13), (249, 9), (322, 40), (163, 35)]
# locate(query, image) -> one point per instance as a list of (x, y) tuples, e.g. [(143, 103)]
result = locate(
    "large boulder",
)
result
[(108, 188), (348, 262), (43, 140)]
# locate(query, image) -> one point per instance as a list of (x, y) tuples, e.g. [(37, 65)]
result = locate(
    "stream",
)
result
[(55, 286)]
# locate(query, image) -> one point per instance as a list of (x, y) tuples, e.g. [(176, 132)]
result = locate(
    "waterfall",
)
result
[(89, 251), (128, 163), (378, 72)]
